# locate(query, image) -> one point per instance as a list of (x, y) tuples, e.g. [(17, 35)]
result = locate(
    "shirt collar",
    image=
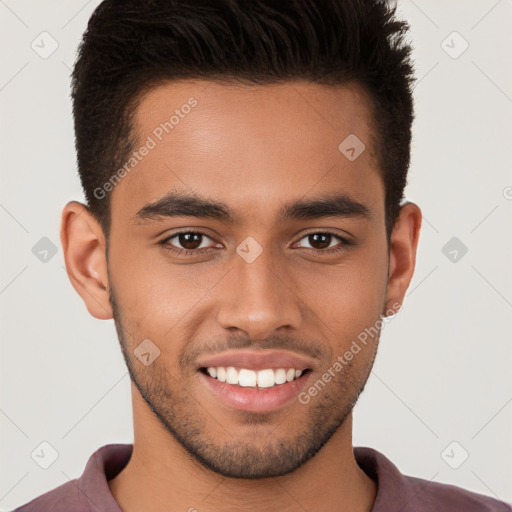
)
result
[(109, 460)]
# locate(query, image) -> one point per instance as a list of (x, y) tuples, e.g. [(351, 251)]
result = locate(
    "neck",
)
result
[(162, 476)]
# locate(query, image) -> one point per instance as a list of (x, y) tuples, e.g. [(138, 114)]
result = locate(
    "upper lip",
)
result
[(257, 360)]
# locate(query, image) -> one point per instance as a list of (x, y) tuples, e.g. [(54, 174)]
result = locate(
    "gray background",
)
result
[(443, 371)]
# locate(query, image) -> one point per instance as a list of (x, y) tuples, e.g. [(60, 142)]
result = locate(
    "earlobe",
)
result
[(83, 244), (402, 254)]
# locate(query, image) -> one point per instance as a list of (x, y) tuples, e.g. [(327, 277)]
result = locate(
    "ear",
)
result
[(83, 243), (402, 254)]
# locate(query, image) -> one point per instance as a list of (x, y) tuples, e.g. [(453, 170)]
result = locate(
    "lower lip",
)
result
[(256, 399)]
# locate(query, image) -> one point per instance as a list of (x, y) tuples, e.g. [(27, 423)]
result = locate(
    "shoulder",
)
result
[(396, 491), (91, 491), (441, 497), (65, 498)]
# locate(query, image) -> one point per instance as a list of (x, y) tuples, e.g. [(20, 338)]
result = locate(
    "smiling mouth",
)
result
[(257, 379)]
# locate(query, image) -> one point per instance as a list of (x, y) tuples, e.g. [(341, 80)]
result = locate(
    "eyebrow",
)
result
[(178, 204)]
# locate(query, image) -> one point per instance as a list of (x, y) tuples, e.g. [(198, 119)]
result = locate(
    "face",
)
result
[(245, 241)]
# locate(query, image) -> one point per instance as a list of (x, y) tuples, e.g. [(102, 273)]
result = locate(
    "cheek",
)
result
[(142, 291), (354, 287), (154, 294), (346, 298)]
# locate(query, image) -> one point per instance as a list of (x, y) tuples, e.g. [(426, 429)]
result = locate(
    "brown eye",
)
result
[(323, 241), (187, 242), (320, 240), (190, 240)]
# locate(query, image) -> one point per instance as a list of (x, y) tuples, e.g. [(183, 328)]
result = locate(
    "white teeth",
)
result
[(280, 376), (250, 378), (266, 378), (221, 374), (247, 378), (231, 375)]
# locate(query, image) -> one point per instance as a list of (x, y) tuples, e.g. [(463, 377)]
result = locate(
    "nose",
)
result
[(259, 299)]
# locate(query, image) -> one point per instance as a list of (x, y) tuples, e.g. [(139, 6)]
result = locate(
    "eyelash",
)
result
[(192, 252)]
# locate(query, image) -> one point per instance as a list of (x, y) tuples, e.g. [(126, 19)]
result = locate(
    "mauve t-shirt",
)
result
[(396, 492)]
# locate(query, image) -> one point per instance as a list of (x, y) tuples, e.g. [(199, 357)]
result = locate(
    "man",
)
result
[(244, 166)]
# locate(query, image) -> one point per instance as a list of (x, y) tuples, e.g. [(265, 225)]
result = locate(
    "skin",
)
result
[(254, 148)]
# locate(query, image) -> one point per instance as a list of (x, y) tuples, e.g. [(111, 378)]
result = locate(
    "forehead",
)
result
[(258, 144)]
